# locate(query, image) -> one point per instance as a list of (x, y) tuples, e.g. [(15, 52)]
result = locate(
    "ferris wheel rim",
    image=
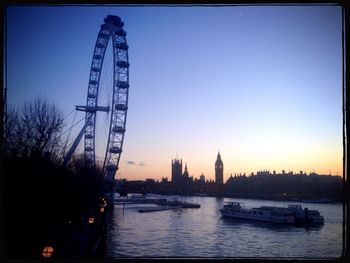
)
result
[(112, 28)]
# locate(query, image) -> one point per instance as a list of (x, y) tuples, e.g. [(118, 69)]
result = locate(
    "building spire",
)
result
[(219, 170), (219, 155)]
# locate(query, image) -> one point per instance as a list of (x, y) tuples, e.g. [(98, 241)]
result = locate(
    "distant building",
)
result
[(164, 179), (265, 172), (185, 174), (219, 170), (181, 182), (176, 170), (202, 178)]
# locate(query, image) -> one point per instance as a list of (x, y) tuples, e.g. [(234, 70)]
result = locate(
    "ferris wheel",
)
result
[(117, 107)]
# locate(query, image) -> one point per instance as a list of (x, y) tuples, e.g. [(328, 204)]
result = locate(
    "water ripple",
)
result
[(204, 233)]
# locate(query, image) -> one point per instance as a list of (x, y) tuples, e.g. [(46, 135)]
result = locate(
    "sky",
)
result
[(260, 84)]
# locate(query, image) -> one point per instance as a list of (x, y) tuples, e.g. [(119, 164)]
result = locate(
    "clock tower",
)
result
[(219, 170)]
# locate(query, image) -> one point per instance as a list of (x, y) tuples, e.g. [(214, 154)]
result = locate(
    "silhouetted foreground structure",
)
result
[(56, 207), (49, 210), (50, 206)]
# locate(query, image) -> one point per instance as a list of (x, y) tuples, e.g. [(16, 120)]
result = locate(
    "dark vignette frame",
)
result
[(345, 105)]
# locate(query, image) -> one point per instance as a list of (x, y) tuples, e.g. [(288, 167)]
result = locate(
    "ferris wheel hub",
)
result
[(92, 108)]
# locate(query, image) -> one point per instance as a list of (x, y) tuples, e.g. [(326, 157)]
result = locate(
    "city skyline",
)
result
[(262, 84), (227, 176)]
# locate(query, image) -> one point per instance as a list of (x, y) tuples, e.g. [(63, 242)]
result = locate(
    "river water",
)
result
[(205, 233)]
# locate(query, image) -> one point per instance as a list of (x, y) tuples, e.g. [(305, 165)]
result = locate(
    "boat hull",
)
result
[(306, 216), (310, 220), (256, 218)]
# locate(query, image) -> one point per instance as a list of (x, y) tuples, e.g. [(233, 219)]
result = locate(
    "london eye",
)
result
[(115, 107)]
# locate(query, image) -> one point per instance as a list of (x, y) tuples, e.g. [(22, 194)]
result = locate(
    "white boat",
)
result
[(263, 213), (305, 215)]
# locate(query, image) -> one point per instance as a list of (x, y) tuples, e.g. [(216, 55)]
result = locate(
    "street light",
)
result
[(104, 202), (47, 252), (91, 220)]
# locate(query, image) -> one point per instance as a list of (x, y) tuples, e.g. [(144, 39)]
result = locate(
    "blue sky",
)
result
[(261, 83)]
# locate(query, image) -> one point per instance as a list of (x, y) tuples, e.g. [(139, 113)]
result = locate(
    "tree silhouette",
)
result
[(35, 129), (13, 140)]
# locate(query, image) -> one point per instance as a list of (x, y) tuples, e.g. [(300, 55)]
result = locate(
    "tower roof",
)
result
[(218, 159), (185, 172), (219, 155)]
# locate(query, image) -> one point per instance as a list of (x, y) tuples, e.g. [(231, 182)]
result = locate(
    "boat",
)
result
[(190, 205), (305, 215), (201, 194), (135, 195), (323, 200), (177, 202), (263, 213), (157, 209)]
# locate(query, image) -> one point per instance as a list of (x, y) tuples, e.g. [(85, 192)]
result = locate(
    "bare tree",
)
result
[(12, 140), (35, 129)]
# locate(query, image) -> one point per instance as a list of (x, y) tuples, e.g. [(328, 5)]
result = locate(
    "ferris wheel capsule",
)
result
[(122, 46), (121, 32), (118, 129), (115, 149), (122, 84), (123, 64), (111, 167)]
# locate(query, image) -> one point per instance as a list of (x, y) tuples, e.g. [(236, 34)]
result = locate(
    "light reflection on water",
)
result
[(204, 233)]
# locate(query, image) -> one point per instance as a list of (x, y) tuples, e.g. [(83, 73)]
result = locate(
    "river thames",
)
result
[(203, 232)]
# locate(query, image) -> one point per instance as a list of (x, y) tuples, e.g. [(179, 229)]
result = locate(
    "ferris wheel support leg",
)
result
[(74, 145), (110, 192), (114, 187)]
